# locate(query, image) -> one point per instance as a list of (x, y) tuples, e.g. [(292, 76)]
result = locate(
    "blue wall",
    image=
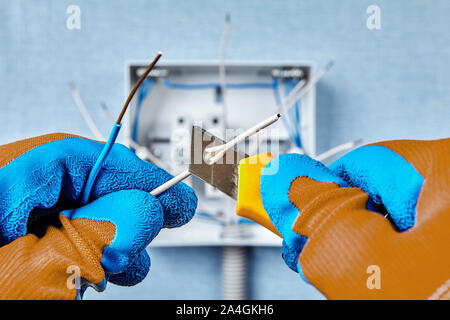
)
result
[(388, 83)]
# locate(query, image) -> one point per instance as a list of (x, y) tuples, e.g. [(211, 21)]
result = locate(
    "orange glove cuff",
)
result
[(34, 268)]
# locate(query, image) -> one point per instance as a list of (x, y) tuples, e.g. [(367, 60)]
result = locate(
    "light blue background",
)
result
[(388, 83)]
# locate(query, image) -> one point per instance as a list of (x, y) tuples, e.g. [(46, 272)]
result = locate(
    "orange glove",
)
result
[(50, 247), (334, 227)]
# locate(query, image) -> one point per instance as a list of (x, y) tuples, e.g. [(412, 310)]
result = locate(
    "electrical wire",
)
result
[(289, 86), (112, 137), (143, 92), (106, 111), (217, 152), (296, 96), (85, 113), (136, 86), (145, 154), (222, 71), (213, 154), (337, 149), (214, 86), (141, 151), (284, 108), (168, 184), (277, 96), (210, 217)]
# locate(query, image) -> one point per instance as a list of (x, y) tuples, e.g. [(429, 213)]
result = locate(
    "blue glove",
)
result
[(372, 225), (369, 168), (275, 196), (41, 180)]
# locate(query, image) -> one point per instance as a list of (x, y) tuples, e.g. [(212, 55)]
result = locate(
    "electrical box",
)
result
[(182, 94)]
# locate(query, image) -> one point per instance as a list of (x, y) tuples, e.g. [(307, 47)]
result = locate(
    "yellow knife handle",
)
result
[(249, 202)]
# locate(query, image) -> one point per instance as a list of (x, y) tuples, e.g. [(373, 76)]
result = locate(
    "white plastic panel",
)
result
[(167, 114)]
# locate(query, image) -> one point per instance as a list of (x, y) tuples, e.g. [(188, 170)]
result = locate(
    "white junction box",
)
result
[(181, 94)]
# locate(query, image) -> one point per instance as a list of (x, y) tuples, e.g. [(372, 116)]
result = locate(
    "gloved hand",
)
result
[(46, 238), (373, 225)]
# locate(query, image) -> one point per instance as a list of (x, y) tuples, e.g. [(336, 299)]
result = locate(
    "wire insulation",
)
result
[(136, 86), (85, 113), (98, 164), (143, 92), (112, 138), (214, 86), (222, 71)]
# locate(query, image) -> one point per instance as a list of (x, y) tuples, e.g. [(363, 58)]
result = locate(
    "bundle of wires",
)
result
[(215, 86), (293, 130)]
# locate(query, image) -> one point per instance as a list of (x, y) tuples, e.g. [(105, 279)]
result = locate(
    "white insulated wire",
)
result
[(337, 149), (222, 71), (234, 273), (283, 107), (146, 154), (285, 102), (223, 84), (178, 178), (85, 113), (220, 152), (298, 92), (107, 112), (297, 95)]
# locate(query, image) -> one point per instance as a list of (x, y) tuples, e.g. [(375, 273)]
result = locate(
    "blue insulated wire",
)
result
[(113, 136), (205, 86)]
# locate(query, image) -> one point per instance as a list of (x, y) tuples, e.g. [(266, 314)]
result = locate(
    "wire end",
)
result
[(329, 65), (136, 86)]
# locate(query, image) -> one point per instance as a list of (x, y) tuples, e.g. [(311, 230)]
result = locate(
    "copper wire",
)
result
[(136, 86)]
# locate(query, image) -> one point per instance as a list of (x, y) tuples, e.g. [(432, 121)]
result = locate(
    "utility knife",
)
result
[(236, 174)]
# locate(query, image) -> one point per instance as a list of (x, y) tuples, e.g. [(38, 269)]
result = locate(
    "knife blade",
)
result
[(236, 174)]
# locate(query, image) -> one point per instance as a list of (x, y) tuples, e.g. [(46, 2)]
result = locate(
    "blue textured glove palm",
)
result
[(49, 179)]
